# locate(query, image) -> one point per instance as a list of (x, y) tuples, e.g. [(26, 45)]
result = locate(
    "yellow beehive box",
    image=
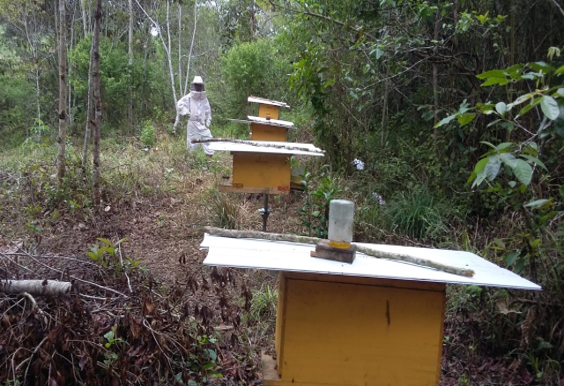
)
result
[(260, 171), (267, 107), (261, 166), (335, 330), (375, 322), (268, 133)]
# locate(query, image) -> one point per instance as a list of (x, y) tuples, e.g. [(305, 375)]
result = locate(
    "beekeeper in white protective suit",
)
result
[(196, 105)]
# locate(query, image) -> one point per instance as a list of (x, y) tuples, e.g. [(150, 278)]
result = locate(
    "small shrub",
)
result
[(148, 135), (224, 212), (314, 213), (263, 304)]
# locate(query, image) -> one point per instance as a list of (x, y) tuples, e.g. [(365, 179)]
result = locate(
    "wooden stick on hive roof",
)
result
[(249, 234), (260, 144)]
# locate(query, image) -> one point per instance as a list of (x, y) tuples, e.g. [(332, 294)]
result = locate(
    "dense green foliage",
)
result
[(455, 109)]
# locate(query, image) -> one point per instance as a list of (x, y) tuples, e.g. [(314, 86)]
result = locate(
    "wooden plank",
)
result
[(392, 283), (257, 170), (268, 133), (325, 251), (280, 316), (226, 186), (354, 334), (268, 369)]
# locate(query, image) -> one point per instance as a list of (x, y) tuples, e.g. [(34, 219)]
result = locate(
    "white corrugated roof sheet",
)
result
[(264, 121), (254, 99), (293, 148), (283, 256), (273, 122)]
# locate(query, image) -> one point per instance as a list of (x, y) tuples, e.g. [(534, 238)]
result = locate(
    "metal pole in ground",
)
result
[(265, 213)]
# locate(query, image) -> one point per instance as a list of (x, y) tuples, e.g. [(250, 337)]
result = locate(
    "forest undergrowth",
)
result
[(143, 309)]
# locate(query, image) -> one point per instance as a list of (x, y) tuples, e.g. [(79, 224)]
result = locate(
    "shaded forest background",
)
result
[(442, 121)]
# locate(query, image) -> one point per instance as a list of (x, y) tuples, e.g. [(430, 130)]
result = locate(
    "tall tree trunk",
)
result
[(88, 109), (177, 119), (512, 10), (169, 54), (130, 69), (180, 49), (185, 91), (97, 104), (436, 84), (167, 50), (62, 139), (34, 52), (385, 109), (37, 90), (191, 47), (84, 18), (69, 89)]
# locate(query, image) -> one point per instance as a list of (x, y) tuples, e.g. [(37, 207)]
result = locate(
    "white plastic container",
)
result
[(341, 220)]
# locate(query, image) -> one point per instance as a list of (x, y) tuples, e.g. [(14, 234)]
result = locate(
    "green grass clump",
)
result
[(416, 214)]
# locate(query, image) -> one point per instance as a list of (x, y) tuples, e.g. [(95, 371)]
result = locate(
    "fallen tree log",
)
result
[(249, 234), (35, 287)]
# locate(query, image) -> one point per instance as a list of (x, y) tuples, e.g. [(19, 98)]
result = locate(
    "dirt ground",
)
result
[(164, 232)]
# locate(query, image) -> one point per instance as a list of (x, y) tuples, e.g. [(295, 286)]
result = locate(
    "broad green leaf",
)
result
[(516, 68), (549, 107), (465, 119), (544, 344), (523, 171), (501, 108), (526, 109), (485, 108), (478, 168), (534, 160), (559, 71), (541, 66), (492, 167), (522, 98), (109, 335), (491, 74), (92, 256), (105, 241), (212, 354), (503, 146), (519, 266), (489, 144), (510, 259), (509, 160), (531, 76), (446, 120), (494, 81), (379, 53), (559, 92), (536, 203), (480, 178), (512, 184), (120, 241), (483, 18)]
